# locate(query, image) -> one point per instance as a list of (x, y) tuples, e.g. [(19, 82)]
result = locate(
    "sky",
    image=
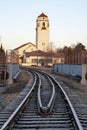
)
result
[(67, 18)]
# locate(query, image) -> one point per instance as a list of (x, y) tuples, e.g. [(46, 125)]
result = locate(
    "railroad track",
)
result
[(46, 106), (79, 102)]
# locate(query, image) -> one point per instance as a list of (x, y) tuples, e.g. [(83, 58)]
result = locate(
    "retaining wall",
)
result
[(72, 70)]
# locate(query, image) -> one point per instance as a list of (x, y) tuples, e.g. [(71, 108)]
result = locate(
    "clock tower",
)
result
[(42, 32)]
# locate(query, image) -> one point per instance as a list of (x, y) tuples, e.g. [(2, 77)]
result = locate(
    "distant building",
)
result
[(39, 54), (27, 47), (41, 58)]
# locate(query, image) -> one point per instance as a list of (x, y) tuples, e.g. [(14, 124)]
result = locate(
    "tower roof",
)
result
[(42, 15)]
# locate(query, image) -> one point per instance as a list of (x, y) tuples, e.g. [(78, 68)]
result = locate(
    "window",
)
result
[(29, 45), (38, 25), (43, 43), (48, 25), (34, 60), (43, 24)]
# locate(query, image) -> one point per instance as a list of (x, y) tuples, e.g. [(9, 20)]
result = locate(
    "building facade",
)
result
[(38, 54)]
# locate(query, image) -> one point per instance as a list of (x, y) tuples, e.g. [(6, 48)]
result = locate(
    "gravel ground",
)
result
[(70, 83), (9, 92)]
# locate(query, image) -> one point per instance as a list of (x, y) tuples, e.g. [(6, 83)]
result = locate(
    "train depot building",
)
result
[(40, 53)]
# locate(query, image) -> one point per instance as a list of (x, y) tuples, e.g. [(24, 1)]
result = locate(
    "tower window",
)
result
[(38, 25), (43, 46), (43, 43), (43, 25), (48, 25)]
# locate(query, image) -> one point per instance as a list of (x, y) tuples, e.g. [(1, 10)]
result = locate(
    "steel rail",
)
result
[(47, 109), (71, 108), (9, 122), (76, 119)]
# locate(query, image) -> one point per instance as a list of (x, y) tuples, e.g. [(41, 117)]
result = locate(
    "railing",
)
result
[(2, 68), (3, 75)]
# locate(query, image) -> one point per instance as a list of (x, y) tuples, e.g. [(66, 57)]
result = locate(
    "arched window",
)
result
[(38, 25), (43, 24), (48, 25)]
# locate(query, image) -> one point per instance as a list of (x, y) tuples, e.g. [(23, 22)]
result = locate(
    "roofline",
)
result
[(24, 45), (42, 15)]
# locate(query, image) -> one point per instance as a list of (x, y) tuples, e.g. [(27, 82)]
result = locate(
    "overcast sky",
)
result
[(68, 21)]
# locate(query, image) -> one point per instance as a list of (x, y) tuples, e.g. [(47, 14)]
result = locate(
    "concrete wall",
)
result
[(84, 74), (12, 70), (72, 70)]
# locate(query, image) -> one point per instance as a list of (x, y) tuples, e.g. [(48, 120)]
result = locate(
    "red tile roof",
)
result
[(45, 54), (42, 15), (35, 53)]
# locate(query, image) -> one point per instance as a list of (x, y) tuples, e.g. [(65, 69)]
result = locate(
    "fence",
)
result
[(8, 66)]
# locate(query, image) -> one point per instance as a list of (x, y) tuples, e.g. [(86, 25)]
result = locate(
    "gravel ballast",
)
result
[(10, 92)]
